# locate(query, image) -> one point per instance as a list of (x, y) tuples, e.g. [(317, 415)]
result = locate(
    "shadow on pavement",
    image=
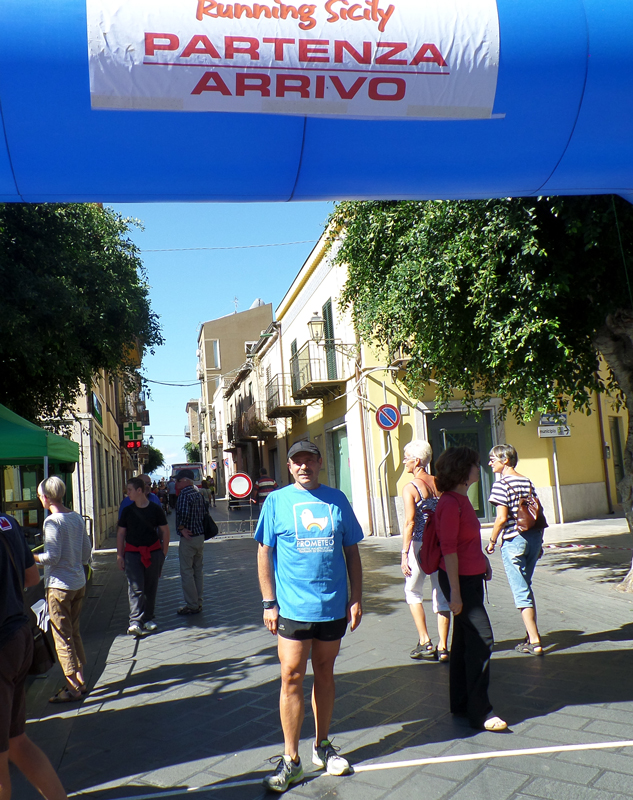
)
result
[(409, 702), (604, 559)]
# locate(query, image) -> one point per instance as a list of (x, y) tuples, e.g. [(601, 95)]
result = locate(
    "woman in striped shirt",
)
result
[(520, 550)]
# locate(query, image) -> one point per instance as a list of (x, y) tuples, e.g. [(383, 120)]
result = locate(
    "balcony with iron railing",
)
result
[(230, 437), (279, 399), (318, 371), (257, 423), (253, 424)]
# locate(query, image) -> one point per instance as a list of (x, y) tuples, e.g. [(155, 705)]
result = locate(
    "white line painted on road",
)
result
[(416, 762), (528, 751)]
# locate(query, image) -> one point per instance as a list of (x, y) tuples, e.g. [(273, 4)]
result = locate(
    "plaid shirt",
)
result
[(190, 511)]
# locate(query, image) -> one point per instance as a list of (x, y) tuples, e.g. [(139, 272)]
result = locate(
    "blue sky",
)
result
[(189, 287)]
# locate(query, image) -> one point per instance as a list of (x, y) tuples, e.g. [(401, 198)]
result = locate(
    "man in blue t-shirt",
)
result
[(308, 537)]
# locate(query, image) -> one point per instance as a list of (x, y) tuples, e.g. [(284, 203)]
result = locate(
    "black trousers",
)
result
[(470, 651), (142, 585)]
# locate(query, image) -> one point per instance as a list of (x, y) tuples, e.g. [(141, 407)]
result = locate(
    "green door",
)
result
[(340, 452), (457, 429)]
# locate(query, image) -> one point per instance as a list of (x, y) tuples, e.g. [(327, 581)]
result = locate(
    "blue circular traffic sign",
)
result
[(388, 417)]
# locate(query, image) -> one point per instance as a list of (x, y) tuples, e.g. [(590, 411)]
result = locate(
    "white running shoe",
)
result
[(286, 773), (326, 756)]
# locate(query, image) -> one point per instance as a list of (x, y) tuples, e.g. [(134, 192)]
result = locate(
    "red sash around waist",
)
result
[(144, 550)]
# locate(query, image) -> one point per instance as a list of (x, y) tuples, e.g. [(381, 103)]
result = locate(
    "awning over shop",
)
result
[(22, 442)]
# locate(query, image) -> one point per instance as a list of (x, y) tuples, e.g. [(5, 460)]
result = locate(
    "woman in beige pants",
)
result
[(67, 549)]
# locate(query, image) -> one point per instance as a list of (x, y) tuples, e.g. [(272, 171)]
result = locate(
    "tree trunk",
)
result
[(614, 342)]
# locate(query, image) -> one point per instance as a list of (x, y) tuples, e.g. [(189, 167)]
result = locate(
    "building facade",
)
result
[(222, 350), (326, 388)]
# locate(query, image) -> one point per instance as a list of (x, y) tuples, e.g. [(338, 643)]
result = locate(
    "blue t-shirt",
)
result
[(308, 530)]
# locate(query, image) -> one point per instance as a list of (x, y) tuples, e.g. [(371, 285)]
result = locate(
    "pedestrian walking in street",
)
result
[(206, 495), (463, 569), (264, 485), (171, 489), (420, 498), (67, 550), (211, 488), (151, 496), (520, 549), (142, 545), (17, 572), (190, 513), (308, 547)]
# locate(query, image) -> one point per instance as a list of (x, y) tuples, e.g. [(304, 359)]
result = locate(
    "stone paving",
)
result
[(192, 710)]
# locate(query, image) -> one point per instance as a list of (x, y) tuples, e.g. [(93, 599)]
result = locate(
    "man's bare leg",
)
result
[(293, 657), (323, 691), (34, 765)]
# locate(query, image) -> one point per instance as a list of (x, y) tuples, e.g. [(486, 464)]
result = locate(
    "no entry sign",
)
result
[(240, 485), (388, 417)]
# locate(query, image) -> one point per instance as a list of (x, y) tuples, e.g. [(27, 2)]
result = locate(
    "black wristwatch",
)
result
[(266, 604)]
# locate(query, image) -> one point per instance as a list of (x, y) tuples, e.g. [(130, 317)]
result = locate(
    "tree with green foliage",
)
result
[(513, 298), (192, 451), (155, 460), (73, 299)]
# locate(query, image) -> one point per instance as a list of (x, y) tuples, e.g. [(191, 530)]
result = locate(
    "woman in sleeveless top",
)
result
[(520, 550), (420, 497)]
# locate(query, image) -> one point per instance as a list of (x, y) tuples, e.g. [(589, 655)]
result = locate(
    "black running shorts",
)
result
[(328, 631)]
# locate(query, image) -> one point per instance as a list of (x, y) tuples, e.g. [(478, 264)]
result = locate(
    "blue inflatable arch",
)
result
[(561, 121)]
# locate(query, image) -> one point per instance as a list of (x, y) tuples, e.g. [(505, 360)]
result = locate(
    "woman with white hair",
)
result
[(420, 497), (67, 549)]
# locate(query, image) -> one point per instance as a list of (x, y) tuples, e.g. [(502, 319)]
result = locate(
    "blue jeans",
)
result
[(519, 556)]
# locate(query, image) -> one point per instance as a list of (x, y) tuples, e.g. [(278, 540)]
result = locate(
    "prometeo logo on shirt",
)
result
[(314, 527)]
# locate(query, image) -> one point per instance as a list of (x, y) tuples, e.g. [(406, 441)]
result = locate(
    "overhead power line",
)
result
[(173, 383), (233, 247)]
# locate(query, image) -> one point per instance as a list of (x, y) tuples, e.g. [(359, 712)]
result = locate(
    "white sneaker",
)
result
[(326, 756), (150, 626), (135, 630)]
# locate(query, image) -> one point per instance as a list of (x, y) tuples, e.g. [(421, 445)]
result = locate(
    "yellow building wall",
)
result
[(581, 459)]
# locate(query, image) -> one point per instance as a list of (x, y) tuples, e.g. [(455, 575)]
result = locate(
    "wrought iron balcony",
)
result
[(279, 399), (316, 372)]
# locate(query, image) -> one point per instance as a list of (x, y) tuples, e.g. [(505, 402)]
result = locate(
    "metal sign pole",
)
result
[(559, 499)]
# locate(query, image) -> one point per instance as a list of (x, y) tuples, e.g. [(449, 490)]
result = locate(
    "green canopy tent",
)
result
[(22, 442)]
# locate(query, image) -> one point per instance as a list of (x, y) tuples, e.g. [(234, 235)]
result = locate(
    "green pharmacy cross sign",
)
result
[(132, 432)]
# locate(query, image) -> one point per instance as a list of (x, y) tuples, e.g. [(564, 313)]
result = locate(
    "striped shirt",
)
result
[(66, 549), (263, 487), (508, 492)]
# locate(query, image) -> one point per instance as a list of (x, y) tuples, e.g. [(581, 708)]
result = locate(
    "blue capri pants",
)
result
[(519, 556)]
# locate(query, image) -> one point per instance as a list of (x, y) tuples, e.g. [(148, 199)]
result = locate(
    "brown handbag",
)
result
[(529, 512)]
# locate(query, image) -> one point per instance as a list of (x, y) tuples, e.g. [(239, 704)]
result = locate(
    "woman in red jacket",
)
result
[(463, 569)]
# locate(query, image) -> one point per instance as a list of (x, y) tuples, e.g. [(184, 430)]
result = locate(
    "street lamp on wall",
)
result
[(316, 326)]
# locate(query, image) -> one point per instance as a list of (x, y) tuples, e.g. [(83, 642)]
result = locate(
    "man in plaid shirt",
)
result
[(190, 527)]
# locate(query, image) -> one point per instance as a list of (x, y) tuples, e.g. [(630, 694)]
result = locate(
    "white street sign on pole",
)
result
[(553, 431)]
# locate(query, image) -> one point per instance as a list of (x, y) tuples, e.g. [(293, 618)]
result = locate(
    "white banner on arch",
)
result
[(370, 59)]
